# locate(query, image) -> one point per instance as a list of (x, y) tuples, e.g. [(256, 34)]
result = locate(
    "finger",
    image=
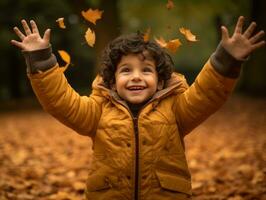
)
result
[(239, 25), (46, 35), (19, 33), (258, 45), (256, 37), (18, 44), (225, 34), (250, 30), (34, 27), (26, 27)]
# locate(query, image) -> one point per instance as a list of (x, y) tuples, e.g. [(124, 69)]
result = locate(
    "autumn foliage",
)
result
[(40, 159)]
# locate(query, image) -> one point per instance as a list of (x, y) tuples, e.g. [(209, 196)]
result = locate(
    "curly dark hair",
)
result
[(133, 43)]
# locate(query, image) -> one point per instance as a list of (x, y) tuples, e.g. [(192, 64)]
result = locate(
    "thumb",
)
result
[(46, 35), (225, 34)]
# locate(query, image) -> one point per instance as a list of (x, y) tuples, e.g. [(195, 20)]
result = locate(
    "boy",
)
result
[(139, 110)]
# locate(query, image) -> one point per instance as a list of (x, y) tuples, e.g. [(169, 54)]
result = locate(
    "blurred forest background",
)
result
[(203, 18)]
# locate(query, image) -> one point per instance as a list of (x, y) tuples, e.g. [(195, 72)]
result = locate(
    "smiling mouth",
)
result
[(136, 88)]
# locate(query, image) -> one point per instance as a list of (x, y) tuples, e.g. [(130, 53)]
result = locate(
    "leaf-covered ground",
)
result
[(42, 159)]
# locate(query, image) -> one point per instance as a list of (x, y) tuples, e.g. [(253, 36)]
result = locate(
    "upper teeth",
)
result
[(136, 88)]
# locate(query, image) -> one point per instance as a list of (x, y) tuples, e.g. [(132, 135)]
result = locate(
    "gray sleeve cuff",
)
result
[(39, 60), (225, 64)]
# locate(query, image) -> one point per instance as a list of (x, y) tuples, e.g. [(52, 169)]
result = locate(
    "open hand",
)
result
[(32, 40), (241, 45)]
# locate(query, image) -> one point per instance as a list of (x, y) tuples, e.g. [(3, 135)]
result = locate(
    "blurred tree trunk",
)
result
[(218, 24), (253, 77), (15, 72), (13, 62), (107, 28)]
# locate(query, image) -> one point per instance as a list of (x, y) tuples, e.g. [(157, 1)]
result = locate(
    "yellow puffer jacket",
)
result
[(135, 158)]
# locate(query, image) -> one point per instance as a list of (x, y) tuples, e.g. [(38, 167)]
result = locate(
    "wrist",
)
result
[(224, 63), (39, 60)]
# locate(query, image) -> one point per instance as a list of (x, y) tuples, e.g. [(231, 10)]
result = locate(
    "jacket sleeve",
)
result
[(57, 97), (208, 93)]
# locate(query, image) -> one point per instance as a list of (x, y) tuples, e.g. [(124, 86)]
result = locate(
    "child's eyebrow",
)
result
[(124, 64)]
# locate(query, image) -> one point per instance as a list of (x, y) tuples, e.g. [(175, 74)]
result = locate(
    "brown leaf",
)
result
[(19, 157), (90, 37), (146, 36), (92, 15), (65, 57), (161, 42), (173, 45), (170, 5), (188, 35), (61, 23), (78, 186), (258, 177)]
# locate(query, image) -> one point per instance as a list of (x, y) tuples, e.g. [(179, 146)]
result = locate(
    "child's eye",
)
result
[(125, 70), (147, 69)]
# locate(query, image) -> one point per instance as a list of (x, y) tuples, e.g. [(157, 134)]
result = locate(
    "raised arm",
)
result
[(57, 97), (218, 77)]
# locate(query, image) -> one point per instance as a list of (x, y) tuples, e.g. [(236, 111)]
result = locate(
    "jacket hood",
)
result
[(176, 84)]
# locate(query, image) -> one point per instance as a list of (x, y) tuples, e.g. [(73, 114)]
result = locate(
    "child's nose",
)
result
[(136, 76)]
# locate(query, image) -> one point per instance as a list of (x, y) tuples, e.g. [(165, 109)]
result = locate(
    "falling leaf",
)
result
[(90, 37), (173, 45), (65, 57), (188, 35), (146, 36), (170, 4), (161, 42), (61, 23), (92, 15)]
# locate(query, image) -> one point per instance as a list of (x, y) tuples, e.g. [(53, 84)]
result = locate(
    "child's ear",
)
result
[(160, 85)]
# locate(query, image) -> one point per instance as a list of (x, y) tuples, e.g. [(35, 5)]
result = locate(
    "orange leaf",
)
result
[(60, 22), (173, 45), (65, 57), (146, 36), (161, 42), (92, 15), (90, 37), (188, 35), (170, 4)]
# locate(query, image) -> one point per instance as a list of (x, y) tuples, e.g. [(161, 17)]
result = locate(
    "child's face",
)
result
[(136, 78)]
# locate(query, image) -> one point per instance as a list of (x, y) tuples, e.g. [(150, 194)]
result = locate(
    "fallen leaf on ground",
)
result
[(39, 173)]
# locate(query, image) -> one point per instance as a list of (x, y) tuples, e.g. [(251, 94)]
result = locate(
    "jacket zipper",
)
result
[(135, 122), (136, 134)]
